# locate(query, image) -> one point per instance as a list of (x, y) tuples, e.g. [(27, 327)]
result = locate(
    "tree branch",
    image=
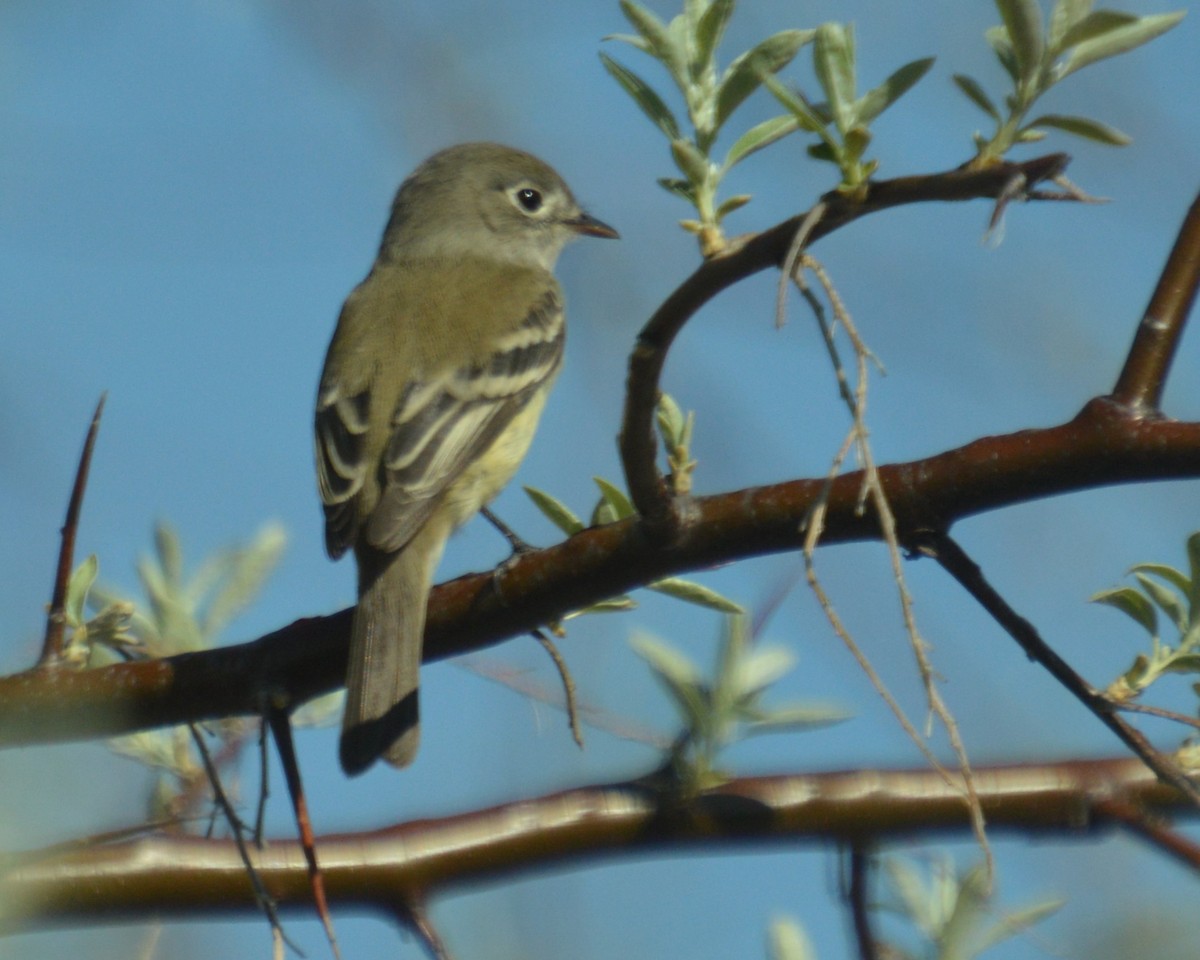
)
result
[(1140, 385), (661, 513), (188, 876), (1104, 445), (954, 560), (54, 643)]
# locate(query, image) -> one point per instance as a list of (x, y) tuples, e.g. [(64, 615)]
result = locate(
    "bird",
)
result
[(432, 387)]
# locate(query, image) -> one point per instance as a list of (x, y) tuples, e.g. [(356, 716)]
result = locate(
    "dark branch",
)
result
[(1144, 376), (56, 619), (1102, 446), (956, 562), (858, 894), (760, 252)]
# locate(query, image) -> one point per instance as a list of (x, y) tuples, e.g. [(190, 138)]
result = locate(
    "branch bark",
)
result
[(386, 869), (1104, 445)]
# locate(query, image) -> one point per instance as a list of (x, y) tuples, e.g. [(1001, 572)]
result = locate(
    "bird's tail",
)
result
[(381, 717)]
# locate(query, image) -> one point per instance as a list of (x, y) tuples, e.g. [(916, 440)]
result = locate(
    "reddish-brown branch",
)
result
[(56, 618), (281, 729), (1104, 445), (1144, 376), (1150, 828), (662, 513), (182, 876)]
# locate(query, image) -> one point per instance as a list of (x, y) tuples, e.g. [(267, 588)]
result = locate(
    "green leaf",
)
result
[(1095, 25), (1066, 14), (833, 58), (604, 514), (914, 898), (1166, 599), (710, 29), (759, 136), (691, 162), (875, 101), (170, 553), (637, 42), (616, 498), (554, 510), (677, 674), (805, 113), (1083, 127), (681, 188), (735, 202), (670, 419), (976, 95), (788, 941), (858, 138), (731, 649), (1134, 678), (1132, 604), (1023, 22), (1185, 663), (1016, 922), (651, 103), (666, 660), (246, 572), (1176, 578), (1193, 552), (744, 75), (824, 151), (760, 668), (696, 593), (78, 587), (1118, 40), (997, 38), (970, 906), (155, 587), (654, 32), (797, 717), (618, 604)]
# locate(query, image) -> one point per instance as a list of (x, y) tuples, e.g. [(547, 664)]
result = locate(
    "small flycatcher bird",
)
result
[(432, 388)]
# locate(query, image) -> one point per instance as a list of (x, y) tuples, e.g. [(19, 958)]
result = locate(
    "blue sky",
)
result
[(190, 191)]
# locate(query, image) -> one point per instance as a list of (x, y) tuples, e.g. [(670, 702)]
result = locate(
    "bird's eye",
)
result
[(529, 199)]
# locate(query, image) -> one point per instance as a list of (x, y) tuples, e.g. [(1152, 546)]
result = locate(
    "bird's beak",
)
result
[(588, 226)]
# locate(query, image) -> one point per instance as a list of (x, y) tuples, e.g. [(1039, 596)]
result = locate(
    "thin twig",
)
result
[(265, 901), (568, 684), (962, 568), (1146, 826), (1131, 706), (264, 782), (660, 514), (611, 723), (418, 918), (516, 542), (858, 895), (281, 729), (788, 271), (53, 646), (872, 488)]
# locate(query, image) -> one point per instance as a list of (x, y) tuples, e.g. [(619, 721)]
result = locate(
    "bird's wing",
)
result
[(440, 425)]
